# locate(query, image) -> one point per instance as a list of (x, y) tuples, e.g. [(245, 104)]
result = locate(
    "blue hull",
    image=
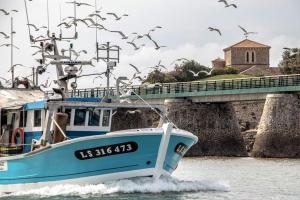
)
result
[(83, 157)]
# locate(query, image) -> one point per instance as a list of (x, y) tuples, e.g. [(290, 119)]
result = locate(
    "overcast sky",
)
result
[(184, 31)]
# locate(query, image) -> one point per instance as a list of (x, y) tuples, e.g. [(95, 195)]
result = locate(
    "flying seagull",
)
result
[(124, 37), (79, 4), (156, 45), (136, 69), (116, 16), (97, 15), (7, 45), (180, 59), (4, 11), (133, 111), (202, 71), (34, 26), (246, 33), (135, 46), (5, 35), (215, 29), (228, 5)]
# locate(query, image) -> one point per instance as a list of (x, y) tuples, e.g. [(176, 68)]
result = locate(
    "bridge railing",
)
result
[(197, 86)]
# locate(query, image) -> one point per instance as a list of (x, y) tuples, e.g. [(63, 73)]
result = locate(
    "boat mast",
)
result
[(12, 52)]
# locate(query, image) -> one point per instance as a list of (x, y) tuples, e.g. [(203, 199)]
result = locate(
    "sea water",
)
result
[(195, 178)]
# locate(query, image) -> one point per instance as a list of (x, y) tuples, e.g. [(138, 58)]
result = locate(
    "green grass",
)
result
[(226, 76)]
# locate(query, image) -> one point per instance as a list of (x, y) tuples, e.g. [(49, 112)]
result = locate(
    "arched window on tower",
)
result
[(252, 56), (247, 57)]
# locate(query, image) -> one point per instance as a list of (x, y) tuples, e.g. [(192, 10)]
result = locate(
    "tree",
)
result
[(158, 76), (182, 72), (290, 63)]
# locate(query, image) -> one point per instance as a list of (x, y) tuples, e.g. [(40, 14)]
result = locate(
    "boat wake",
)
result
[(137, 185)]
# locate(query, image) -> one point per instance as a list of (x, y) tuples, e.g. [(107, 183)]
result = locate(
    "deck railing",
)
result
[(198, 86)]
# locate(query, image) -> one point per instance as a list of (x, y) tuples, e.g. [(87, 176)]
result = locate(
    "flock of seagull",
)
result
[(91, 21), (217, 30)]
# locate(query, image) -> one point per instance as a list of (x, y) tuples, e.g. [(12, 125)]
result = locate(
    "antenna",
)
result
[(96, 29), (12, 52), (109, 64), (60, 29), (48, 32)]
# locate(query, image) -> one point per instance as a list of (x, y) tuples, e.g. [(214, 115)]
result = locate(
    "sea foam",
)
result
[(136, 185)]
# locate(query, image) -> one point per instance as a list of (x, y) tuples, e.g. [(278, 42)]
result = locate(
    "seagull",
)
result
[(134, 45), (197, 74), (32, 25), (79, 4), (160, 65), (66, 25), (140, 78), (124, 37), (7, 45), (5, 35), (228, 5), (136, 69), (80, 20), (97, 15), (180, 59), (246, 33), (4, 11), (133, 111), (90, 20), (15, 65), (215, 29), (39, 37), (37, 47), (116, 16), (156, 45), (287, 48), (14, 10)]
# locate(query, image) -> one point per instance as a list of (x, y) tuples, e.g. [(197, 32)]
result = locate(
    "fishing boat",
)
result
[(84, 151), (50, 140), (64, 140)]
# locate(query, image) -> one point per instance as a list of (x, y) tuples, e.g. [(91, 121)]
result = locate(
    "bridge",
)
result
[(227, 90), (215, 120)]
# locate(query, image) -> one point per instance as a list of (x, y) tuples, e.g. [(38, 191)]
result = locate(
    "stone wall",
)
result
[(127, 119), (215, 125), (248, 113), (278, 134)]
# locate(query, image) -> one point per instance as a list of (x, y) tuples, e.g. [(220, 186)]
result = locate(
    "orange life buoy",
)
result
[(20, 132)]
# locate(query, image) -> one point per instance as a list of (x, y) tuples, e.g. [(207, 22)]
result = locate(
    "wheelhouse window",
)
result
[(23, 118), (37, 118), (94, 117), (68, 112), (79, 118), (106, 118)]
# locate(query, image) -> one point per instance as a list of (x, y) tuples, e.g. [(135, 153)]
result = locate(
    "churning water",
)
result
[(195, 178)]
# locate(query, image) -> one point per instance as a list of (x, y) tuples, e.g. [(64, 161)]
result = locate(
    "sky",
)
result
[(185, 31)]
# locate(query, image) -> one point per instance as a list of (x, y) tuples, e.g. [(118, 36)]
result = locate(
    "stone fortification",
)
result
[(278, 133), (215, 125)]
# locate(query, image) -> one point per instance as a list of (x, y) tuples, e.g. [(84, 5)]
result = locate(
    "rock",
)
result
[(278, 133), (215, 125), (249, 139)]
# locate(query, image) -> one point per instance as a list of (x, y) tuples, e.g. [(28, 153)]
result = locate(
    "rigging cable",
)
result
[(27, 21)]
